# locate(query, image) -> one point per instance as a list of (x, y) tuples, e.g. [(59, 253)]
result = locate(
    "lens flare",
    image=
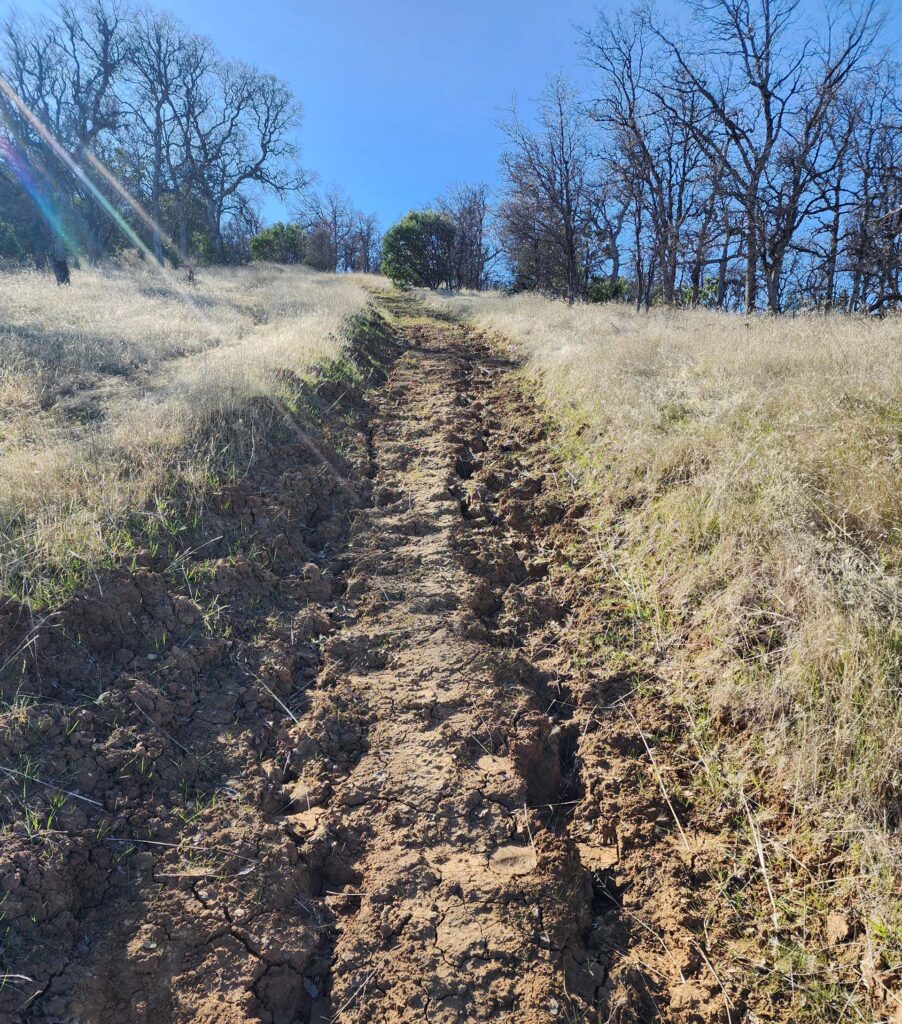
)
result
[(37, 181), (27, 172), (73, 166), (127, 197)]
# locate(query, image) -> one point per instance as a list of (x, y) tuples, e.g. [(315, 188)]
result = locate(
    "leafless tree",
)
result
[(467, 207), (244, 137), (873, 243), (548, 216), (157, 59), (330, 218), (340, 237), (94, 81), (191, 104), (651, 142), (769, 91), (363, 251), (66, 70)]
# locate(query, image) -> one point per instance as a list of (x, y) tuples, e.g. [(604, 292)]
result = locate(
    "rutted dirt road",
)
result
[(352, 774), (462, 903)]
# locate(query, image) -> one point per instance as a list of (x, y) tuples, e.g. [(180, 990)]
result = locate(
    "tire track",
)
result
[(451, 893)]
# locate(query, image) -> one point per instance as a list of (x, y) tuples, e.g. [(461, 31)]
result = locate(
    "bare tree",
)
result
[(191, 105), (196, 138), (467, 207), (340, 237), (768, 93), (363, 252), (548, 215), (873, 242), (651, 142), (243, 138), (66, 71), (158, 46), (329, 216)]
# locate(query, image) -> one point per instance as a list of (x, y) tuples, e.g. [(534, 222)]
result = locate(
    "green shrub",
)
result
[(281, 243), (417, 251), (606, 290)]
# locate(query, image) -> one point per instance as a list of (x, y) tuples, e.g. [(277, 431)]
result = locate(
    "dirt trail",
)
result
[(454, 899), (354, 772)]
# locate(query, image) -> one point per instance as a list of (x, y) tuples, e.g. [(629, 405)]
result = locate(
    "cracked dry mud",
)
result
[(359, 791)]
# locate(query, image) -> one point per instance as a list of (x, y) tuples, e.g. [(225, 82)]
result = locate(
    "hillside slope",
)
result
[(743, 488), (390, 729)]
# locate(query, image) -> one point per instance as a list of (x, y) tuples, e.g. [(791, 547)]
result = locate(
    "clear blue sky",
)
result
[(402, 98)]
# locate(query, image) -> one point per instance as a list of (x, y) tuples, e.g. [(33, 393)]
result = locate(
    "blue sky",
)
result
[(402, 98)]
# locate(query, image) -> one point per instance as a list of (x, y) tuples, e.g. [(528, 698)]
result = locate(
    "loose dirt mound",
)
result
[(338, 761)]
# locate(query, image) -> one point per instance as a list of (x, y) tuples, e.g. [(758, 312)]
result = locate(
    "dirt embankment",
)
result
[(339, 759)]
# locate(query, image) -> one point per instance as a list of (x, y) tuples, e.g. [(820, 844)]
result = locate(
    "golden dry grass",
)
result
[(109, 389), (747, 477)]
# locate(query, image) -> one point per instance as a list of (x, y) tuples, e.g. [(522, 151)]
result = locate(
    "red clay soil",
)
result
[(339, 761)]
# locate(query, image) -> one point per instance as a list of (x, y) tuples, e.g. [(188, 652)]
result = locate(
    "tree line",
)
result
[(120, 127), (750, 161)]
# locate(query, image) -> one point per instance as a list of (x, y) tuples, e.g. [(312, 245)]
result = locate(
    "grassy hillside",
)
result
[(745, 478), (734, 491), (120, 391)]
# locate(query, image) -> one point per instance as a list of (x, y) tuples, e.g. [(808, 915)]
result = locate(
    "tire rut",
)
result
[(333, 780), (436, 754)]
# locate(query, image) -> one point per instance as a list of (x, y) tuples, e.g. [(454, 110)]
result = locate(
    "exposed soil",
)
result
[(342, 759)]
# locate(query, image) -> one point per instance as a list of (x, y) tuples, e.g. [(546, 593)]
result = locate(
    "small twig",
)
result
[(281, 703), (357, 991), (50, 785), (728, 1005), (660, 779), (532, 841), (759, 846), (160, 727), (189, 846)]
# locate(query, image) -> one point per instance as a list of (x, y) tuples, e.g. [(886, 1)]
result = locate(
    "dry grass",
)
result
[(748, 484), (110, 390)]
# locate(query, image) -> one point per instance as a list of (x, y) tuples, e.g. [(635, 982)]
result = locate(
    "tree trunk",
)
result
[(833, 252), (774, 277), (155, 192), (40, 246), (214, 226), (751, 266), (668, 275), (722, 271), (182, 214), (572, 272), (695, 279), (855, 292), (615, 264)]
